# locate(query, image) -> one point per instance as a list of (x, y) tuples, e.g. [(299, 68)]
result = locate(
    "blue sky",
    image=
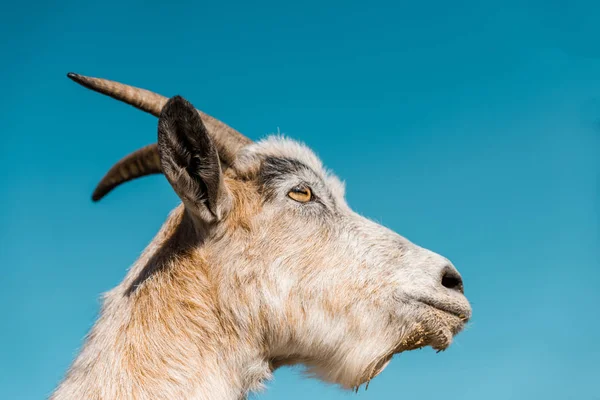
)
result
[(472, 129)]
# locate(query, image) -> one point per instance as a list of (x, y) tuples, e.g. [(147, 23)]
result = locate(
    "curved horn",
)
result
[(142, 162), (145, 161)]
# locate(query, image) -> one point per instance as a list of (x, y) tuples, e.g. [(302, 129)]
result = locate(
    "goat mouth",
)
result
[(463, 316)]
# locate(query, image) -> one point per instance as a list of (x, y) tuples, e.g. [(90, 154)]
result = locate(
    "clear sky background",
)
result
[(472, 129)]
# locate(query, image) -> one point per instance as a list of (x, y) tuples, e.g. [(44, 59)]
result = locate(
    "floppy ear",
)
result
[(190, 161)]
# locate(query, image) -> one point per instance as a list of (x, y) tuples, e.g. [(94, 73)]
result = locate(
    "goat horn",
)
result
[(142, 162), (145, 161)]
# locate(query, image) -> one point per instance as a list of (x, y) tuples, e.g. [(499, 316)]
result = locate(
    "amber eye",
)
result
[(301, 194)]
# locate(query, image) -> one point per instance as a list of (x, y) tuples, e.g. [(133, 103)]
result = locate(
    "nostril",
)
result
[(452, 280)]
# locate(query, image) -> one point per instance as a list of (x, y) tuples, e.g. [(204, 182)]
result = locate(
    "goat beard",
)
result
[(434, 328)]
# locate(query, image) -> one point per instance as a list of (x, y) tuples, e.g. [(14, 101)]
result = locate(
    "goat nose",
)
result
[(451, 279)]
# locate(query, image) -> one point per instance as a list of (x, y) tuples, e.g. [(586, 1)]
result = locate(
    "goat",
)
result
[(263, 264)]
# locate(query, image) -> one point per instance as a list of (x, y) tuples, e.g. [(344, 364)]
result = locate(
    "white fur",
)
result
[(214, 309)]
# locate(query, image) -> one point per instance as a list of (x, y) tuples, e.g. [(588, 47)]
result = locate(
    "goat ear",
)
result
[(190, 161)]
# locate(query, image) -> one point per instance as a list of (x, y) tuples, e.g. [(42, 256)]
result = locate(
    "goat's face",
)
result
[(337, 291), (323, 285)]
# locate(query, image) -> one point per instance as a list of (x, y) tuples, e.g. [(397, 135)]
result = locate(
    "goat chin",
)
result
[(436, 329)]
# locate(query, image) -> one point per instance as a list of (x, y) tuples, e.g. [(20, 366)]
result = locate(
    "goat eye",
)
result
[(301, 194)]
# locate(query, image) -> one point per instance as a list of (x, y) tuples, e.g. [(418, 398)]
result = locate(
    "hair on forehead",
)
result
[(278, 146), (286, 155)]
